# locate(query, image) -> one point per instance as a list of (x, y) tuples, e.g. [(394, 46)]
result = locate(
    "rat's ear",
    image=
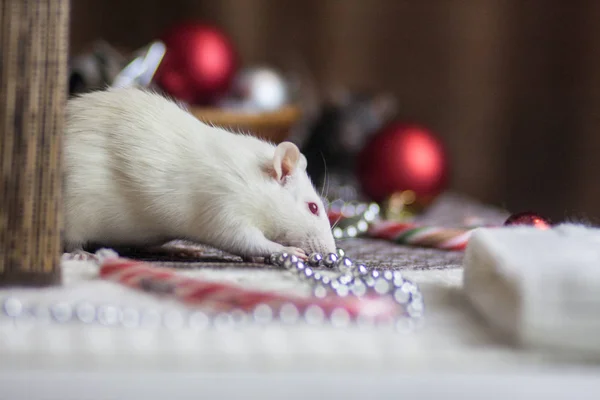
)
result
[(302, 163), (286, 158)]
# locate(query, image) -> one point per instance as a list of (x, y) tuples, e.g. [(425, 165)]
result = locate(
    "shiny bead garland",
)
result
[(352, 279), (351, 219)]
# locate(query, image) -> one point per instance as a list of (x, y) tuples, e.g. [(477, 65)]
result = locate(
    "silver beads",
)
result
[(198, 321), (360, 270), (85, 312), (288, 313), (368, 280), (299, 268), (402, 294), (314, 314), (345, 279), (388, 275), (281, 258), (381, 286), (272, 259), (330, 260), (290, 262), (13, 307), (61, 312), (263, 314), (358, 288), (320, 291), (315, 259), (307, 273), (345, 265), (360, 215), (342, 277), (342, 291), (340, 318)]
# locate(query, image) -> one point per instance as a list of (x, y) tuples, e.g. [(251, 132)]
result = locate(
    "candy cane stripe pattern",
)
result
[(222, 297), (453, 239)]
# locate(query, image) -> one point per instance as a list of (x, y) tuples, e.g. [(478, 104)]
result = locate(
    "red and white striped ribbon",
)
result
[(223, 297)]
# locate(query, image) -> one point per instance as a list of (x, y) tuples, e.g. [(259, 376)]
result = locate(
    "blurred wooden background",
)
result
[(512, 86)]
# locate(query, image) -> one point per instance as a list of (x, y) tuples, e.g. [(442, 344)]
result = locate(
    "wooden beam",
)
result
[(33, 92)]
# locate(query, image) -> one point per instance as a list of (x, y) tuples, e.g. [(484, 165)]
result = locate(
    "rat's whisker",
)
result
[(336, 222), (325, 185)]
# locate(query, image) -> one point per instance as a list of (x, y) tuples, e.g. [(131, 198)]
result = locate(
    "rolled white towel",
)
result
[(540, 287)]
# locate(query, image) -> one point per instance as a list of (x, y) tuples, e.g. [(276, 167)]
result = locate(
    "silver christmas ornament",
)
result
[(257, 89)]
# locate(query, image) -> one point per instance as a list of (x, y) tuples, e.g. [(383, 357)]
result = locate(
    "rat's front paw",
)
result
[(301, 254), (79, 255)]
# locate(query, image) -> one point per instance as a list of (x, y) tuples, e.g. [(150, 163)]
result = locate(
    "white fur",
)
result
[(140, 170)]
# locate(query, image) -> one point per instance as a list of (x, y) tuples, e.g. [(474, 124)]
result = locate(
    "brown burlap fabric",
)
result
[(450, 210)]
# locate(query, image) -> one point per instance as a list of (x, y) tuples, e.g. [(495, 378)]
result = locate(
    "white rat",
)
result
[(141, 171)]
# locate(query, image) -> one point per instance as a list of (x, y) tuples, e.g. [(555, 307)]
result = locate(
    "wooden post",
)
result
[(33, 92)]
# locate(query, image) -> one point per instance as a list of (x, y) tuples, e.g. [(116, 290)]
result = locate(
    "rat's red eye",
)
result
[(314, 208)]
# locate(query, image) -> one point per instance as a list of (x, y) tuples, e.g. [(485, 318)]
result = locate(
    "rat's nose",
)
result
[(329, 248)]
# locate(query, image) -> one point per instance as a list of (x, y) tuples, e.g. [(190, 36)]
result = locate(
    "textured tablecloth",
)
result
[(451, 339)]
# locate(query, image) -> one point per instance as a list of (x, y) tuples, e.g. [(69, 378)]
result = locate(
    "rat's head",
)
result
[(299, 217)]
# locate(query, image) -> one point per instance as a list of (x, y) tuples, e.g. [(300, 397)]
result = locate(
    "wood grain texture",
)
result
[(33, 77)]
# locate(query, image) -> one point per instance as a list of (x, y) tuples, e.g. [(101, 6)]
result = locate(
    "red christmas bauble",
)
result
[(199, 63), (403, 157), (528, 218)]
